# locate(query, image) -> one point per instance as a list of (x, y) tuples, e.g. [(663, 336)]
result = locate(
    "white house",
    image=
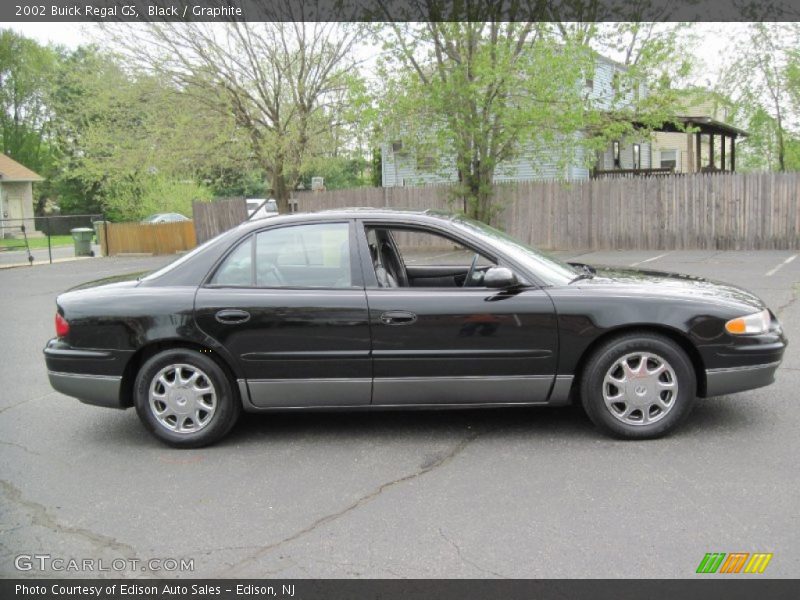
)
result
[(16, 194)]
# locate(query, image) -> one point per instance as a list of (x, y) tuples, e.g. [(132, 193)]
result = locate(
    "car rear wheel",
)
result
[(185, 399), (638, 386)]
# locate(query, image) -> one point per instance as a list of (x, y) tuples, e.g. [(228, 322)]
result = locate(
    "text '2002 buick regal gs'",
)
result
[(377, 309)]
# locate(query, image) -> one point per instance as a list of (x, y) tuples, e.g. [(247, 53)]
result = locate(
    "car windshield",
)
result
[(549, 269)]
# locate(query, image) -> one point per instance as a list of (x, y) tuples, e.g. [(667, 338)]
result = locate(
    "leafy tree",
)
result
[(26, 75), (131, 143), (763, 81), (478, 94), (25, 79), (285, 84)]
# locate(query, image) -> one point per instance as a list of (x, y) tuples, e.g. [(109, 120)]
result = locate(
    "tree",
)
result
[(26, 75), (476, 94), (285, 84), (762, 82), (130, 143), (480, 93)]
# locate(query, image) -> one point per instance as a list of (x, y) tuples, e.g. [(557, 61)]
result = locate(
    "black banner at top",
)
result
[(397, 10)]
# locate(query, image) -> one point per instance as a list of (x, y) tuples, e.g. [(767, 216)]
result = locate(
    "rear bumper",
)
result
[(739, 379), (99, 390)]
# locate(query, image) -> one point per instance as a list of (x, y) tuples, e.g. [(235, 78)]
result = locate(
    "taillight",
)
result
[(62, 327)]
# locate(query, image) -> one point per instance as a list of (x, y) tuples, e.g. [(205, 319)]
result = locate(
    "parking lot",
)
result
[(496, 493)]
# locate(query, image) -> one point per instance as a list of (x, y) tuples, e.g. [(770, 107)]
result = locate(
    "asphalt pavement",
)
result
[(467, 494)]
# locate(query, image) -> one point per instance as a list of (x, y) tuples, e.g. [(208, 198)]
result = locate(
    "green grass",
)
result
[(39, 242)]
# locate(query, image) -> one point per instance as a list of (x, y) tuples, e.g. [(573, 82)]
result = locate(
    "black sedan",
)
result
[(378, 309)]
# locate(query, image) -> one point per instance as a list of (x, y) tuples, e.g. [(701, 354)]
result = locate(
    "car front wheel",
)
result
[(638, 386), (185, 399)]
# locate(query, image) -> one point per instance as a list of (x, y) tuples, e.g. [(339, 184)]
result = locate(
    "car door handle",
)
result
[(398, 317), (231, 316)]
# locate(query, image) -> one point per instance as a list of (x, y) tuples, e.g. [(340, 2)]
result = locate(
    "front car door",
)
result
[(436, 341), (288, 303)]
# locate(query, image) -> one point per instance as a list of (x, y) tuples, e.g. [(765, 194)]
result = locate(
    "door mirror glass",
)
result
[(499, 277)]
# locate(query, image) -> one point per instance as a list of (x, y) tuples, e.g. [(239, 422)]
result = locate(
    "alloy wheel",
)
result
[(640, 388), (182, 398)]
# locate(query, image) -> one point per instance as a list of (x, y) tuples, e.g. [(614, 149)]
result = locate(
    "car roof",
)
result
[(353, 213)]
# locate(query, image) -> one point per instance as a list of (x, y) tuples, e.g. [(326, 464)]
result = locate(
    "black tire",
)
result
[(609, 355), (227, 406)]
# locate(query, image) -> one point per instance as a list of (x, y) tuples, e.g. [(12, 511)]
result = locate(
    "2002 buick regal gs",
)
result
[(378, 309)]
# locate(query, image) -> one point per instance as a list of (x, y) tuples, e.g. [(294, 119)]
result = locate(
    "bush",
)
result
[(135, 200)]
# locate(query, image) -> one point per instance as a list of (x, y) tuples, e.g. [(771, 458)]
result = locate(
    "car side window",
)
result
[(237, 269), (316, 255), (416, 258)]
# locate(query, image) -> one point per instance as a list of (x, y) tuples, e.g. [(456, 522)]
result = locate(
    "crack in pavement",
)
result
[(792, 300), (469, 561), (21, 402), (427, 468), (21, 447), (41, 517)]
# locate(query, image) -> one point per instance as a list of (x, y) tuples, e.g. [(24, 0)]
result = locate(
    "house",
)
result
[(16, 195), (401, 167), (711, 143)]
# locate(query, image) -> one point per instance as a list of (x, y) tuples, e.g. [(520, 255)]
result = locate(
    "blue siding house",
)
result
[(403, 168)]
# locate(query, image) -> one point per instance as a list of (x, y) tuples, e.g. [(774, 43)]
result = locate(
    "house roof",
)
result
[(11, 170), (709, 125)]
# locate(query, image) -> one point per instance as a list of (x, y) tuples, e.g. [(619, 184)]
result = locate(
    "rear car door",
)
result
[(288, 303), (435, 341)]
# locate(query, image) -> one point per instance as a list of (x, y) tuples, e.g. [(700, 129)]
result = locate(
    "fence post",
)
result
[(49, 246), (105, 234)]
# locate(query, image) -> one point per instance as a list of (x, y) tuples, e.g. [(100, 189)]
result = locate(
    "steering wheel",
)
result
[(471, 270)]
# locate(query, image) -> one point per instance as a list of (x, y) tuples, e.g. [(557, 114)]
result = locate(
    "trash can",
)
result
[(82, 237)]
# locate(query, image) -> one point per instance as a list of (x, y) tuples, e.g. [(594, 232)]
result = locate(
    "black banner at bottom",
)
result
[(733, 588)]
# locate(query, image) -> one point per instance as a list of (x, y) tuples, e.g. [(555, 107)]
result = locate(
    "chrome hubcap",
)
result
[(640, 388), (182, 398)]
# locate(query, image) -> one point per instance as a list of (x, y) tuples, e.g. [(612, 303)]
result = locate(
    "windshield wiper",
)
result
[(586, 273)]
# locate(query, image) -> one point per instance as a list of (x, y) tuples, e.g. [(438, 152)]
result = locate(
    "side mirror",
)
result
[(499, 277)]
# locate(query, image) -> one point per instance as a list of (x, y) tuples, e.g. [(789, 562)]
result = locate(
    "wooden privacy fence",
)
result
[(141, 238), (212, 218), (701, 211)]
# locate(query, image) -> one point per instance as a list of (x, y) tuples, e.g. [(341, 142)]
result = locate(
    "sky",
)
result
[(714, 41)]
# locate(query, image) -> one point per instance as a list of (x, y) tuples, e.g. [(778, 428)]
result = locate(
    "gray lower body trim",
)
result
[(100, 390), (562, 386), (523, 389), (739, 379), (277, 393)]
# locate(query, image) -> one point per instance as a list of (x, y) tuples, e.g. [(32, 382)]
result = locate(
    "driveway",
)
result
[(499, 493)]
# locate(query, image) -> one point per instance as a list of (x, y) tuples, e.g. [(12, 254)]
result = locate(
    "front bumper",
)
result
[(738, 379)]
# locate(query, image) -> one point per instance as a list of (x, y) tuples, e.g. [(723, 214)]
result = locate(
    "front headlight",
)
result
[(756, 323)]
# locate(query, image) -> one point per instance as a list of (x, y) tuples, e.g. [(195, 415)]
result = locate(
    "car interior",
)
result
[(410, 258)]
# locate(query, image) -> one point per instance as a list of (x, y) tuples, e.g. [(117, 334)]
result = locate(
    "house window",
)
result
[(590, 83), (397, 146), (425, 164), (637, 156), (669, 159), (615, 154)]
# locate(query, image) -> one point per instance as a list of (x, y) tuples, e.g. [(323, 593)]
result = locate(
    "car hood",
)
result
[(661, 283)]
